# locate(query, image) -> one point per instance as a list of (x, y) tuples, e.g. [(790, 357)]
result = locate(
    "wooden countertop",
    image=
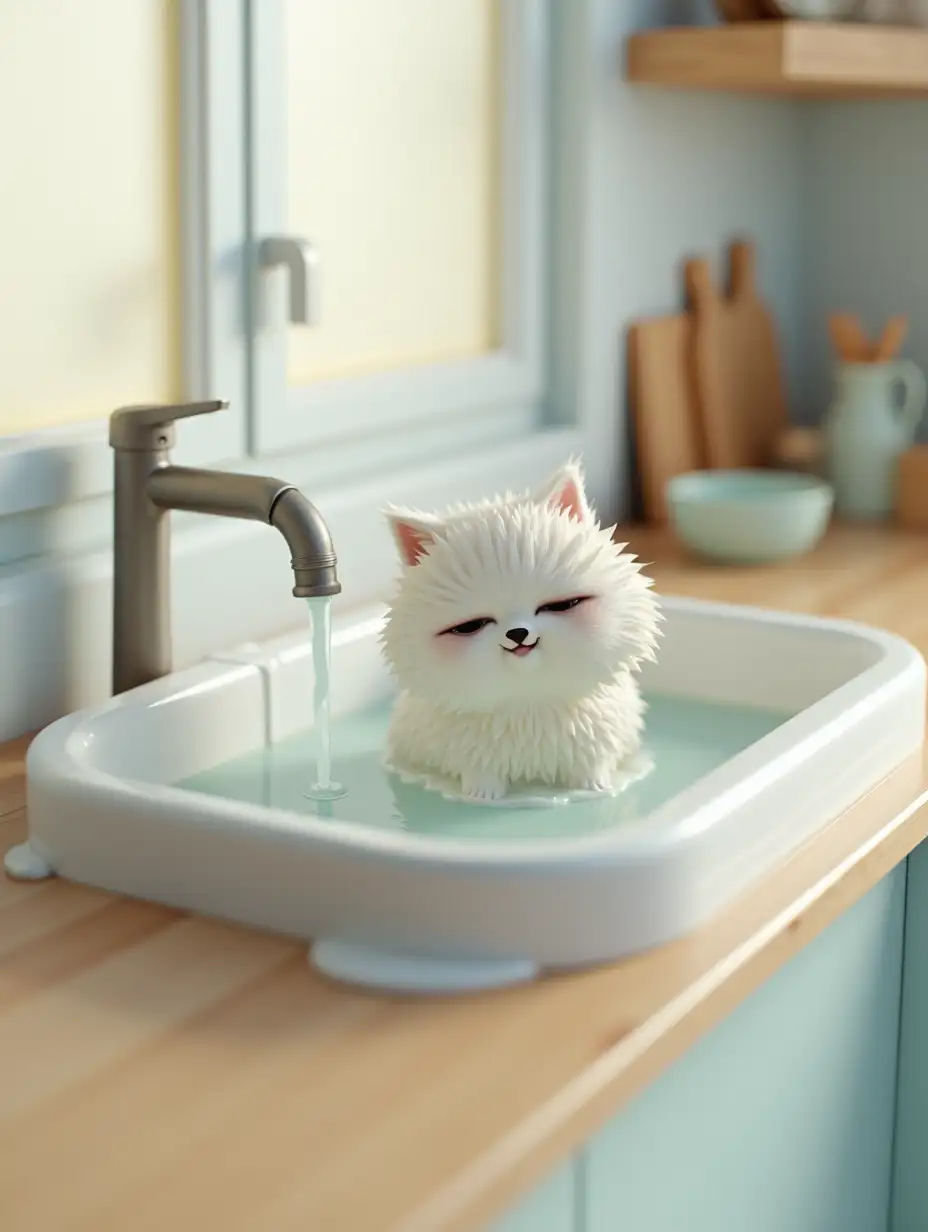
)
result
[(161, 1071)]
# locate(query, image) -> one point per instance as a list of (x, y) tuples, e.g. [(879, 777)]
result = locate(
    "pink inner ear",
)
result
[(411, 541), (570, 498)]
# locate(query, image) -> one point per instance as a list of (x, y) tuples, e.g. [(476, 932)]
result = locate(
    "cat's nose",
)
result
[(517, 635)]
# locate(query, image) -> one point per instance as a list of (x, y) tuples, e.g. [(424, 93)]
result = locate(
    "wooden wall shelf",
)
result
[(790, 57)]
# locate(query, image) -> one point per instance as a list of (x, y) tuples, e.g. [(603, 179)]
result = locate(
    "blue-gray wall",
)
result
[(679, 173), (867, 224)]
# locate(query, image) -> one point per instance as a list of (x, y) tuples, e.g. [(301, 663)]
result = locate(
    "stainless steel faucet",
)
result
[(147, 487)]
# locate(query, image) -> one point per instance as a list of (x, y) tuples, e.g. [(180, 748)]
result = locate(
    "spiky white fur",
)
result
[(567, 714)]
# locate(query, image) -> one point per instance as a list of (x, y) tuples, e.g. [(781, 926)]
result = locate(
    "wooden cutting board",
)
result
[(660, 386), (737, 369)]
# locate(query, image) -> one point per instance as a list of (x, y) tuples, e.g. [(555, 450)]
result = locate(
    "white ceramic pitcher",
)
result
[(866, 428)]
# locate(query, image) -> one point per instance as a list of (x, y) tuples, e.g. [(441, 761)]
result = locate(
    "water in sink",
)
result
[(685, 738)]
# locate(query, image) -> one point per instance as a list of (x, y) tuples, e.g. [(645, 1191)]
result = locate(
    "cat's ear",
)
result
[(565, 491), (413, 534)]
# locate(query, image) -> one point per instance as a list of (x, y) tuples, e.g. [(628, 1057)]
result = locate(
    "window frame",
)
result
[(510, 381), (59, 465), (49, 475), (55, 483), (213, 220)]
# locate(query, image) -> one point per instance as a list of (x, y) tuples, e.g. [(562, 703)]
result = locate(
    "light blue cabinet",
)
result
[(782, 1117), (780, 1120), (910, 1194)]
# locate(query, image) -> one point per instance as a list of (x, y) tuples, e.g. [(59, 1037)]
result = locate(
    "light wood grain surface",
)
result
[(806, 58), (167, 1072)]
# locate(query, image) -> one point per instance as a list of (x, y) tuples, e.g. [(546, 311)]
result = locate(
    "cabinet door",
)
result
[(108, 238), (405, 142), (910, 1191), (781, 1119)]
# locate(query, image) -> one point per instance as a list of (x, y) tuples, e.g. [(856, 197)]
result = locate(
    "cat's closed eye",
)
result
[(562, 605), (468, 628)]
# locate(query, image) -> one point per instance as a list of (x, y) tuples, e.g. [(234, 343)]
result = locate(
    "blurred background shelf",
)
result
[(789, 57)]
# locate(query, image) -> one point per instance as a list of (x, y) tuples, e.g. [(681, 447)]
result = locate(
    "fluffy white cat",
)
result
[(514, 634)]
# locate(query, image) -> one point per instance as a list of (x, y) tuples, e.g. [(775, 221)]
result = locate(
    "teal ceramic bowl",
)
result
[(749, 517)]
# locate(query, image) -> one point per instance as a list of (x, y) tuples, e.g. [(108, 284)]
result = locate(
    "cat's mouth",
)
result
[(524, 649)]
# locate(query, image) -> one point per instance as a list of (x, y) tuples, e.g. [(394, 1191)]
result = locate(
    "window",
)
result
[(156, 148), (406, 141), (124, 238), (88, 246)]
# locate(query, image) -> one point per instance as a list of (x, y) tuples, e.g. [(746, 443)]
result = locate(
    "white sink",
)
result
[(464, 907)]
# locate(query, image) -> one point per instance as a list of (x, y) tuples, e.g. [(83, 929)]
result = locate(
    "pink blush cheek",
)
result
[(451, 649), (588, 616)]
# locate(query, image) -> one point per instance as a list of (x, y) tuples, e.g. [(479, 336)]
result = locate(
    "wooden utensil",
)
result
[(853, 346), (737, 372), (666, 429), (848, 338), (891, 339)]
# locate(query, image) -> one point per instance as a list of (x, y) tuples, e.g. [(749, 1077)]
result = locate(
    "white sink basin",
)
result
[(464, 902)]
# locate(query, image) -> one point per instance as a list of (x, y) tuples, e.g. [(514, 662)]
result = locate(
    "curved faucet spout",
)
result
[(258, 498), (312, 556), (147, 488)]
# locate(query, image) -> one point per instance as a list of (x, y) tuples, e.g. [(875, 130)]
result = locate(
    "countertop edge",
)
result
[(675, 994), (805, 894)]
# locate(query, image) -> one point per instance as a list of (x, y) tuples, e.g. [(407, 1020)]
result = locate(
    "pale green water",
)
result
[(686, 739)]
